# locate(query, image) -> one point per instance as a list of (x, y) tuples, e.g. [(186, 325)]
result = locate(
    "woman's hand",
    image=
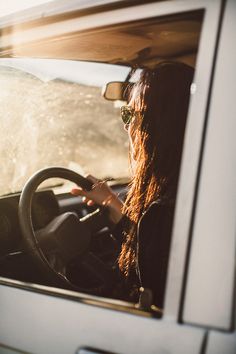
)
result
[(101, 194)]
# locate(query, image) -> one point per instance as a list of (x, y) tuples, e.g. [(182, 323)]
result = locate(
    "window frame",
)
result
[(213, 229)]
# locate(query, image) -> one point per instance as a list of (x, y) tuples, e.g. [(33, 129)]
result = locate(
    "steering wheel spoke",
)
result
[(67, 234)]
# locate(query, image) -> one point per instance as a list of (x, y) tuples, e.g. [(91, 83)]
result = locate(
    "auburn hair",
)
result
[(160, 97)]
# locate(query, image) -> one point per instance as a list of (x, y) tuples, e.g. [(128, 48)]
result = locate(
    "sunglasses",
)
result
[(127, 114)]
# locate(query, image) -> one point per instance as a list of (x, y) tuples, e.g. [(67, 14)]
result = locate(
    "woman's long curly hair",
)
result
[(161, 99)]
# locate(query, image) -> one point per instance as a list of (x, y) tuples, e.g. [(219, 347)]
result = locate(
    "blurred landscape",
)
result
[(57, 123)]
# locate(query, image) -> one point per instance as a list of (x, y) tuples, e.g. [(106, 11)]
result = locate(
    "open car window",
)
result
[(55, 114)]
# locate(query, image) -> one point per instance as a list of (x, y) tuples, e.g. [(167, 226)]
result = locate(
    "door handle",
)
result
[(88, 350)]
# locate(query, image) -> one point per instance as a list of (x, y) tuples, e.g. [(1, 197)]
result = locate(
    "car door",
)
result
[(40, 319)]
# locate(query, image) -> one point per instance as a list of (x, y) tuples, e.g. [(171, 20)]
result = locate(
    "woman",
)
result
[(155, 121)]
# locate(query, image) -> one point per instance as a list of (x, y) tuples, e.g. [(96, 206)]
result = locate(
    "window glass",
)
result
[(53, 114)]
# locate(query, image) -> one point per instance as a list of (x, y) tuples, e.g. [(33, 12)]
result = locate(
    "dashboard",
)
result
[(44, 208)]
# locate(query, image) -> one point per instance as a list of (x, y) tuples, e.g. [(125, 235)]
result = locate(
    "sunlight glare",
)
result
[(11, 6)]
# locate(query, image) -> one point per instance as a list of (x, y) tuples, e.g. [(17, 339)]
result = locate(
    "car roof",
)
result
[(143, 42), (48, 8)]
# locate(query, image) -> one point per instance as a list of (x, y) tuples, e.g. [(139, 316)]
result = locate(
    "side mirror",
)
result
[(116, 90)]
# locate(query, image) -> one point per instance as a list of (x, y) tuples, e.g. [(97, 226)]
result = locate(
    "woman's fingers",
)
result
[(88, 201), (85, 199), (99, 194), (77, 191)]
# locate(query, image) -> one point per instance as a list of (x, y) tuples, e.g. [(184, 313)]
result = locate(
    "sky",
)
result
[(10, 6), (87, 73)]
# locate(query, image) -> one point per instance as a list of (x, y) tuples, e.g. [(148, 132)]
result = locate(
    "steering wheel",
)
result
[(65, 238)]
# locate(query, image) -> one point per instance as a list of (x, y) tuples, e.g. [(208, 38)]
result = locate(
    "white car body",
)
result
[(199, 315)]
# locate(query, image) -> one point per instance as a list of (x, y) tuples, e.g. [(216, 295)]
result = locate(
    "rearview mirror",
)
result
[(116, 90)]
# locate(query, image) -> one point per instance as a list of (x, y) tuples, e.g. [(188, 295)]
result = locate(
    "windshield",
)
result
[(53, 114)]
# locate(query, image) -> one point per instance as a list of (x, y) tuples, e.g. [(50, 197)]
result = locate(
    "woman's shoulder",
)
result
[(157, 217), (163, 204)]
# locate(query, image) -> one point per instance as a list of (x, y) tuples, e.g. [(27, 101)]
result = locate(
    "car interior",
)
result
[(61, 110)]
